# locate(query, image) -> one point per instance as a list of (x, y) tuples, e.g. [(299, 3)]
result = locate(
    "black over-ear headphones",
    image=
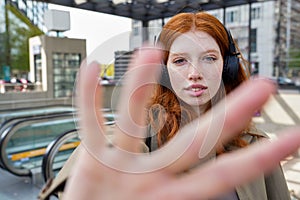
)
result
[(231, 61), (230, 66)]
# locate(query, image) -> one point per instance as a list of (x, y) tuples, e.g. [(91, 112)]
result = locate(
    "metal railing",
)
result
[(24, 142), (57, 152), (60, 149)]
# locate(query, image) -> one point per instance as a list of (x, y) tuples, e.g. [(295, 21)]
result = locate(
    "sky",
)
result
[(104, 33)]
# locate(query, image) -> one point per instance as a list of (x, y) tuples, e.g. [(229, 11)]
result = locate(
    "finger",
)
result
[(133, 100), (139, 81), (224, 121), (87, 177), (228, 171), (89, 101)]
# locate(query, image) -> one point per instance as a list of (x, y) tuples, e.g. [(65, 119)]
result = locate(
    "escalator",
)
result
[(60, 149), (11, 116), (23, 142)]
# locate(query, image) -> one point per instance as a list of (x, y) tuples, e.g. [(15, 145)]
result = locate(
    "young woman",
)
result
[(202, 66), (196, 46)]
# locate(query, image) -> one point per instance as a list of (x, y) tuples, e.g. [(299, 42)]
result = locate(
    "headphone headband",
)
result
[(232, 48), (231, 61)]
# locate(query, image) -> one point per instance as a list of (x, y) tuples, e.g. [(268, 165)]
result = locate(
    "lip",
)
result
[(195, 90)]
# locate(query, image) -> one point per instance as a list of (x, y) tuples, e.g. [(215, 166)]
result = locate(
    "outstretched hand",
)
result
[(122, 171)]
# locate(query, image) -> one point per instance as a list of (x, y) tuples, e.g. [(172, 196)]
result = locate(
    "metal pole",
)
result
[(7, 34), (249, 33), (288, 34), (145, 34), (278, 44), (224, 15)]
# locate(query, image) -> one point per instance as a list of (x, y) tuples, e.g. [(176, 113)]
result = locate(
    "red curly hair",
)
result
[(166, 113)]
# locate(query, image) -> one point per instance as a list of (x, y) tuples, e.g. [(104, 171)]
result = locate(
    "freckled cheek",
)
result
[(213, 79), (177, 77), (213, 73)]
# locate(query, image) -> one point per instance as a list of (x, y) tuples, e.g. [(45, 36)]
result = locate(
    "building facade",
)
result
[(54, 63), (262, 28), (288, 37), (19, 20), (268, 30), (122, 58)]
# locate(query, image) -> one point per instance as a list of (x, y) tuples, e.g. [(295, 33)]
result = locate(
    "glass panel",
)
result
[(65, 67), (27, 145)]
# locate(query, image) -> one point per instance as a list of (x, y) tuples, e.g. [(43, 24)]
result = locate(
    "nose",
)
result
[(194, 74)]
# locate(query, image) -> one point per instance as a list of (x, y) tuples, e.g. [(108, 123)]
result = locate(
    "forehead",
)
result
[(194, 40)]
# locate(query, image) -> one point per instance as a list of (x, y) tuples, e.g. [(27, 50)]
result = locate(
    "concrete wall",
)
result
[(35, 99), (29, 99)]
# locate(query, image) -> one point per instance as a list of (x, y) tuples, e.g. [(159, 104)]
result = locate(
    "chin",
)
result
[(195, 102)]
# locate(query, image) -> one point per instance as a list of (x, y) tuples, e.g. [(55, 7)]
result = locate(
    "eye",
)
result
[(179, 61), (209, 59)]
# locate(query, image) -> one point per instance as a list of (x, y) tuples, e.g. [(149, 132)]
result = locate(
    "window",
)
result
[(136, 27), (22, 6), (38, 68), (232, 16), (255, 13), (253, 42), (254, 68), (65, 67)]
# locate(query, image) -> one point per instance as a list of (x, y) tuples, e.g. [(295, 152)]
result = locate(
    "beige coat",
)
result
[(269, 187)]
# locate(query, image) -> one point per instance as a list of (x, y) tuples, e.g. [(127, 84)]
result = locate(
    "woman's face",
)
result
[(195, 67)]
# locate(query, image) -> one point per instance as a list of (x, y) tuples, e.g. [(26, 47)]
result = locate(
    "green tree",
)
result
[(294, 58), (19, 32)]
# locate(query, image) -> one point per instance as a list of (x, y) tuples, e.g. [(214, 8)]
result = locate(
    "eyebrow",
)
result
[(177, 54), (204, 52), (212, 51)]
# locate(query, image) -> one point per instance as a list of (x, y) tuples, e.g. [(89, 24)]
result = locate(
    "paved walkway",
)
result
[(18, 188), (282, 111)]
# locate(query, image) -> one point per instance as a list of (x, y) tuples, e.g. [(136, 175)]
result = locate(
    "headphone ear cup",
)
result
[(230, 68), (164, 78)]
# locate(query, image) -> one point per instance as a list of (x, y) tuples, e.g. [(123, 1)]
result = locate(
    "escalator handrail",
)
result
[(19, 112), (8, 133), (9, 121), (33, 108), (52, 150)]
